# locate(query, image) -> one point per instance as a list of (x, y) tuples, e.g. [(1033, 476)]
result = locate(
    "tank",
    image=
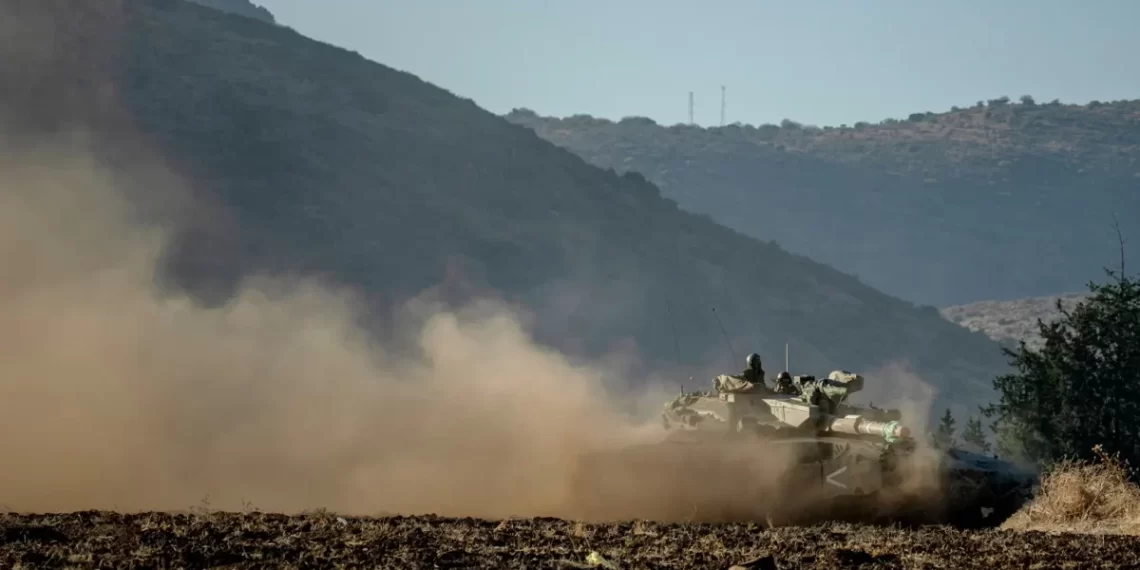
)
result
[(800, 452)]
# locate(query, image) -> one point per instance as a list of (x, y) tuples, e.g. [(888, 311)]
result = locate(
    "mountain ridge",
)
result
[(940, 209), (241, 8)]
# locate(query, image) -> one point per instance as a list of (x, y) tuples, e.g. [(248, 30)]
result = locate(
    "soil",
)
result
[(257, 540)]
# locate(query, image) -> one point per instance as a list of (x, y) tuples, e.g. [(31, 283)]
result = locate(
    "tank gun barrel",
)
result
[(857, 425)]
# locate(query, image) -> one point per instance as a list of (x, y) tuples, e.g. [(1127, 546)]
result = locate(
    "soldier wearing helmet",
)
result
[(750, 380), (754, 373), (784, 384)]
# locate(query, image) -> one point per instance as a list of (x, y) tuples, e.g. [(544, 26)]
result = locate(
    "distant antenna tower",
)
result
[(690, 107), (722, 105)]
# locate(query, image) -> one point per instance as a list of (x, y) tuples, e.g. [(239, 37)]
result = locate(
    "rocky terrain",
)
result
[(254, 540), (997, 199), (1010, 322)]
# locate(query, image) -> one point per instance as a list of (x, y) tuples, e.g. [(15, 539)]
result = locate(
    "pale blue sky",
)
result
[(814, 61)]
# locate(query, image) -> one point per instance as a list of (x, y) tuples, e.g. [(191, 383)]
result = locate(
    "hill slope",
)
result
[(940, 209), (317, 161), (240, 7), (1009, 322)]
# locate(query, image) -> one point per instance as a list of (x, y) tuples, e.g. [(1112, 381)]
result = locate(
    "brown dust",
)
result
[(116, 395)]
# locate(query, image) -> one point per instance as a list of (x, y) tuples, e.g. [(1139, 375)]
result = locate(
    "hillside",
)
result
[(1010, 322), (240, 7), (998, 200), (310, 159)]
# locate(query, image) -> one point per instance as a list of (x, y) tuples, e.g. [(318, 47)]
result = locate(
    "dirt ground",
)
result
[(256, 540)]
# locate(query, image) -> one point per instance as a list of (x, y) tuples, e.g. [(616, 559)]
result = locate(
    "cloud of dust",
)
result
[(896, 386), (117, 396)]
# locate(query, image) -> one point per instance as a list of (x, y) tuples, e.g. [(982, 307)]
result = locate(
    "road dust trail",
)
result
[(114, 395)]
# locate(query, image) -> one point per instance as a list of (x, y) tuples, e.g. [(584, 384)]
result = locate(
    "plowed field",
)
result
[(255, 540)]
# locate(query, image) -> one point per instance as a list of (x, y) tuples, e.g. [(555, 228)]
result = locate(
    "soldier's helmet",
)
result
[(784, 377), (754, 362)]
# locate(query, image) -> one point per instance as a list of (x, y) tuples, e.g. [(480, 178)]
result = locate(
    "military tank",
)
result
[(799, 453)]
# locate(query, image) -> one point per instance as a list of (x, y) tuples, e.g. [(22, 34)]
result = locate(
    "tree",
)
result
[(974, 436), (1082, 388), (944, 436)]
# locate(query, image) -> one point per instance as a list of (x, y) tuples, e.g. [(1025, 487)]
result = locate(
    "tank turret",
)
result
[(817, 407)]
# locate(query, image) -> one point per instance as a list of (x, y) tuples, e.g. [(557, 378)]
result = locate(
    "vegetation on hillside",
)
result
[(1010, 322), (985, 141), (940, 209), (310, 159), (241, 8)]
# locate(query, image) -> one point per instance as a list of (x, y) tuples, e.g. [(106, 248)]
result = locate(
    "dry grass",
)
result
[(1086, 497)]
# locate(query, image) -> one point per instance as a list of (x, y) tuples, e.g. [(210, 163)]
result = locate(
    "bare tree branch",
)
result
[(1120, 239)]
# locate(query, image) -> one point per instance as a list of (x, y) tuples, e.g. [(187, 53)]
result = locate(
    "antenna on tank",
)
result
[(731, 350), (722, 105), (786, 369)]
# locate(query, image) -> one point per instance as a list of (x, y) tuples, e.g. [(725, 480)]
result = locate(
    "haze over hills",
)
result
[(996, 200), (308, 159)]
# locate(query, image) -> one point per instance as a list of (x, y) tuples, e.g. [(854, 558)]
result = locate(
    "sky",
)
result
[(813, 61)]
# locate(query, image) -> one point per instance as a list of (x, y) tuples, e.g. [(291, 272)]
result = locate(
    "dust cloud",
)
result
[(116, 395), (895, 385)]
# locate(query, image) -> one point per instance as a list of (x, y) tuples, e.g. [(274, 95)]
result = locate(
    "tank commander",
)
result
[(750, 380)]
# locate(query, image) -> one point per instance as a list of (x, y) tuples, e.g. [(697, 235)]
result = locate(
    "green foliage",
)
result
[(974, 436), (1082, 388), (944, 435)]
